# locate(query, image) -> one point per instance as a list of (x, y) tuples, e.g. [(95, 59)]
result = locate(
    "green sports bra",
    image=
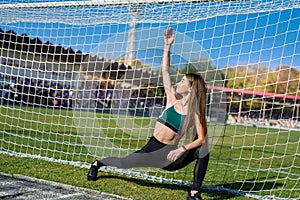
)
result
[(171, 118)]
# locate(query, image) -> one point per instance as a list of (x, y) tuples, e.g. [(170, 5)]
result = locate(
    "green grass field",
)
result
[(260, 161)]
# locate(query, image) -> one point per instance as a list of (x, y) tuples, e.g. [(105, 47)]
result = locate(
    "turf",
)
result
[(260, 161)]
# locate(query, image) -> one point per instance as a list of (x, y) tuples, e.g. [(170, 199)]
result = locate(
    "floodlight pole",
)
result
[(130, 53)]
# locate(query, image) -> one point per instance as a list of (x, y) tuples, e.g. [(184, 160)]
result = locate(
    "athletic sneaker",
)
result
[(93, 172), (197, 196)]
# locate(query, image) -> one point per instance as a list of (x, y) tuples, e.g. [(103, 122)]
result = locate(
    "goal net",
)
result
[(81, 80)]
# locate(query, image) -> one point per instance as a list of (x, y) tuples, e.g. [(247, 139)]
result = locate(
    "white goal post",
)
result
[(81, 80)]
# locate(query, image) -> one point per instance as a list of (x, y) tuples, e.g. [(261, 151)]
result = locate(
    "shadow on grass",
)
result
[(252, 185), (213, 194), (146, 183)]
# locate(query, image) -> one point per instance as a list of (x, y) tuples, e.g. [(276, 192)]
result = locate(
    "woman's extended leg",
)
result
[(153, 154)]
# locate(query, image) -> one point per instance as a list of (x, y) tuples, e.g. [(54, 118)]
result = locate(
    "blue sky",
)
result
[(268, 38)]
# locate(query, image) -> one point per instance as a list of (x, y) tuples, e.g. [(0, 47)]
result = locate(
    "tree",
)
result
[(284, 80), (250, 77), (234, 77)]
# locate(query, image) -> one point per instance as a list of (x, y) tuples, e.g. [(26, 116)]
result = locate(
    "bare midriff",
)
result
[(165, 135)]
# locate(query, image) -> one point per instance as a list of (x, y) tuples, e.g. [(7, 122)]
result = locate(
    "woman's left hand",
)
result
[(173, 155)]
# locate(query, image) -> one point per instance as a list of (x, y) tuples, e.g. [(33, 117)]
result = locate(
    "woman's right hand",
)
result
[(175, 154)]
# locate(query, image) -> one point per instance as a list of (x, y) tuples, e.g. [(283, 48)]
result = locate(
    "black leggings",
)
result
[(154, 154)]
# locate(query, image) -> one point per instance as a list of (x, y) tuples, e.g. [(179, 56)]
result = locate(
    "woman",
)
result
[(185, 110)]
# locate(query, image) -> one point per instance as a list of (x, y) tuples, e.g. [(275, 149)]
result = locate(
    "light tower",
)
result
[(130, 51)]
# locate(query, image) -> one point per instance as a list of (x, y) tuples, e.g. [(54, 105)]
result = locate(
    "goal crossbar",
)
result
[(89, 3)]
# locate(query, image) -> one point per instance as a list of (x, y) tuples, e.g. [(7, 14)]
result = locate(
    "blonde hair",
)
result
[(196, 103)]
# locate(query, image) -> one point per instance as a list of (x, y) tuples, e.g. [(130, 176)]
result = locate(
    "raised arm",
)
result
[(168, 40)]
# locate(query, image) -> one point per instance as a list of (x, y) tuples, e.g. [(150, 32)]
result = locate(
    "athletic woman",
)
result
[(184, 113)]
